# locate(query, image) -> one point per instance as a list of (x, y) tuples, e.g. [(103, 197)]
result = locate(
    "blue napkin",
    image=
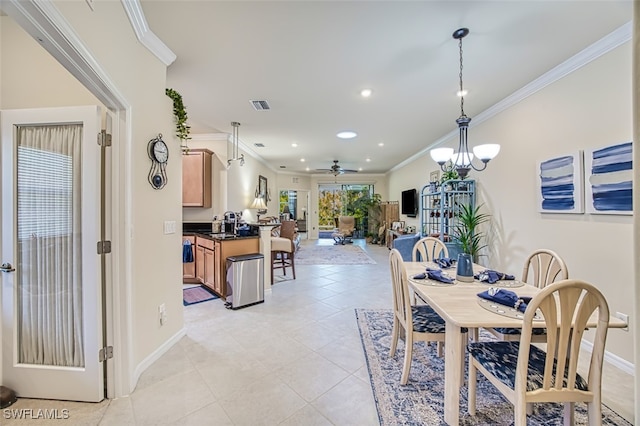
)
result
[(506, 297), (187, 252), (490, 276), (434, 274), (444, 262)]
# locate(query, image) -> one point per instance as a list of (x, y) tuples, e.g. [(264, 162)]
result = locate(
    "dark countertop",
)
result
[(219, 237)]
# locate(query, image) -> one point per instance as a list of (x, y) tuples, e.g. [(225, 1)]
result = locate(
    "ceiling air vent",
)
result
[(260, 105), (259, 145)]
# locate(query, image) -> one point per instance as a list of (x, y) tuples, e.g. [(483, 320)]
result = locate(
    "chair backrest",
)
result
[(288, 229), (544, 266), (346, 224), (428, 248), (566, 307), (400, 286)]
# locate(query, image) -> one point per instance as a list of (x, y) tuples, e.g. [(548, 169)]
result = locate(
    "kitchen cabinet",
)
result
[(196, 178), (230, 247), (204, 261), (189, 269)]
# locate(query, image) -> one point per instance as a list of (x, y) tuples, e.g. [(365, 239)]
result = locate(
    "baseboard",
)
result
[(155, 355), (615, 360)]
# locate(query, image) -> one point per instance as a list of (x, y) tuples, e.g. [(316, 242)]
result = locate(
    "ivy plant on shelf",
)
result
[(180, 113)]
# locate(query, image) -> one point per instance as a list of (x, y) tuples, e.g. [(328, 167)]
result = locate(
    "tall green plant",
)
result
[(465, 231)]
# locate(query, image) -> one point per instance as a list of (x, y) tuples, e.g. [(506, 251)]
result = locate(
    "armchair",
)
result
[(404, 244), (345, 230)]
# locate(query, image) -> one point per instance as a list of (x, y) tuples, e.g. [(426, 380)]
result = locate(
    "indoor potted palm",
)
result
[(466, 234)]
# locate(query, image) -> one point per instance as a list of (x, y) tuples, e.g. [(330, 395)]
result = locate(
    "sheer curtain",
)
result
[(49, 287)]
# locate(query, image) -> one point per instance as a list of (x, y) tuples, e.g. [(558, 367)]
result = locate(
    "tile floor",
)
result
[(294, 360)]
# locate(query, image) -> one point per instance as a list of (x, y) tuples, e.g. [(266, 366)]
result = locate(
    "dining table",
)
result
[(460, 307)]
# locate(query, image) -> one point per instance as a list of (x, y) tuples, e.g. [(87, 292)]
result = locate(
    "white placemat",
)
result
[(505, 310)]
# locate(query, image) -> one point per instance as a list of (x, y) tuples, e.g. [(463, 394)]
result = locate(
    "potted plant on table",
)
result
[(466, 232)]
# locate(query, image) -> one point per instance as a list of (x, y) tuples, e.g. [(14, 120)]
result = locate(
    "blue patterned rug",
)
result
[(420, 402)]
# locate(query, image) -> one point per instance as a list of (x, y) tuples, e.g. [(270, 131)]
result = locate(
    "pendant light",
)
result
[(234, 146), (462, 160)]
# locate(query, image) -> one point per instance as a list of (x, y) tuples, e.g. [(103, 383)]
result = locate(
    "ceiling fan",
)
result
[(337, 169)]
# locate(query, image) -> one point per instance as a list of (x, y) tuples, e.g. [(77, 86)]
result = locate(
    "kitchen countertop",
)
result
[(221, 236)]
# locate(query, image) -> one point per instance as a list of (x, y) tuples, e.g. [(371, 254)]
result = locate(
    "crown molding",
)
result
[(606, 44), (144, 34)]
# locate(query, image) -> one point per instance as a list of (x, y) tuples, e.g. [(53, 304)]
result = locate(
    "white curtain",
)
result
[(49, 288)]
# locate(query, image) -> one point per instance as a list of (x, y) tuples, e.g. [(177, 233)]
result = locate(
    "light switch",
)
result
[(170, 227)]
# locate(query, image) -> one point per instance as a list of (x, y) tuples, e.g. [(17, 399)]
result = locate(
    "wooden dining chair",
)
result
[(427, 249), (541, 268), (415, 323), (526, 374)]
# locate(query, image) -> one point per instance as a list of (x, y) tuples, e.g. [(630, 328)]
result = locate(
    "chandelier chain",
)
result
[(461, 88)]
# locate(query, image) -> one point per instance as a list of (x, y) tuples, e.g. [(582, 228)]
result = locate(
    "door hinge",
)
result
[(104, 138), (105, 353), (104, 247)]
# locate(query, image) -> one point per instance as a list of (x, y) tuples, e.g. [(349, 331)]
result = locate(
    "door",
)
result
[(51, 281)]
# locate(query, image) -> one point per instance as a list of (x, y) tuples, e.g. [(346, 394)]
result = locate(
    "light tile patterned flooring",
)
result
[(296, 359)]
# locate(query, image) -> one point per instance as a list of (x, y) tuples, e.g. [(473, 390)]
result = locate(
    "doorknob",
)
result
[(6, 267)]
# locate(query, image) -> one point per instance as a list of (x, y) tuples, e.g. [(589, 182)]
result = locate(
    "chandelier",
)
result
[(234, 146), (462, 160)]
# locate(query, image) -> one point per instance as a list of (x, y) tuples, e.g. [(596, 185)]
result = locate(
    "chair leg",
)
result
[(594, 412), (283, 263), (568, 414), (439, 346), (394, 336), (273, 259), (471, 402), (475, 334), (408, 353), (520, 414), (293, 265)]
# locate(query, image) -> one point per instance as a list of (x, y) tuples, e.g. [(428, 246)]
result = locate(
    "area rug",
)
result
[(347, 254), (193, 295), (420, 402)]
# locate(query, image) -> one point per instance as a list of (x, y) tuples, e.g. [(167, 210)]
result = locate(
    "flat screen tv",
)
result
[(409, 205)]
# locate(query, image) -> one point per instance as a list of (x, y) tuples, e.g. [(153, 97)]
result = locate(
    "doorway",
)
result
[(336, 200)]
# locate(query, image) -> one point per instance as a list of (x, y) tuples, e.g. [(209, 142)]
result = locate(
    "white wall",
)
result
[(30, 78), (587, 109)]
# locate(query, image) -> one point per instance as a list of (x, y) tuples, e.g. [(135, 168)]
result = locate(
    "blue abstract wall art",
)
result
[(560, 189), (610, 179)]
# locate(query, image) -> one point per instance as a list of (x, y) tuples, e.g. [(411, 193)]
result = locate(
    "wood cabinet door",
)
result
[(196, 178), (209, 268), (218, 277), (200, 263), (189, 268)]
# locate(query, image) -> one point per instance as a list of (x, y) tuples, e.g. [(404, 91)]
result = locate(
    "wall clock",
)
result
[(159, 155)]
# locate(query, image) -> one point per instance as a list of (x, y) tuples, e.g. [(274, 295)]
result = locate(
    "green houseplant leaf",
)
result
[(466, 232), (180, 113)]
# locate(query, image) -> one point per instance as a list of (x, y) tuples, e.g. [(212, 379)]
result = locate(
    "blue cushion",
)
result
[(426, 320), (404, 245), (501, 359)]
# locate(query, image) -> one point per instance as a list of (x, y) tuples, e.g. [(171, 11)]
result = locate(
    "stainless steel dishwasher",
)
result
[(245, 280)]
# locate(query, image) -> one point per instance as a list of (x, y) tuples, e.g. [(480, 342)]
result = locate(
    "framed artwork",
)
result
[(397, 226), (560, 182), (262, 188), (609, 179), (434, 176)]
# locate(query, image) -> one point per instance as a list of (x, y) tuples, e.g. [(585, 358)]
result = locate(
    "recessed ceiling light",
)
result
[(462, 92), (302, 160), (368, 160), (359, 169), (380, 144), (347, 134), (295, 145), (366, 93), (307, 169)]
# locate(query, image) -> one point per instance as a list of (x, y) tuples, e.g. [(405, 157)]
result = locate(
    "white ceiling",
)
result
[(310, 59)]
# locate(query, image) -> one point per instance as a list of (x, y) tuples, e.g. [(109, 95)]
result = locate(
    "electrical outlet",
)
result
[(162, 314), (625, 318), (170, 227)]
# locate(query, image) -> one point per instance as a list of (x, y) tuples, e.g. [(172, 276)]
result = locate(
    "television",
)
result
[(409, 205)]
